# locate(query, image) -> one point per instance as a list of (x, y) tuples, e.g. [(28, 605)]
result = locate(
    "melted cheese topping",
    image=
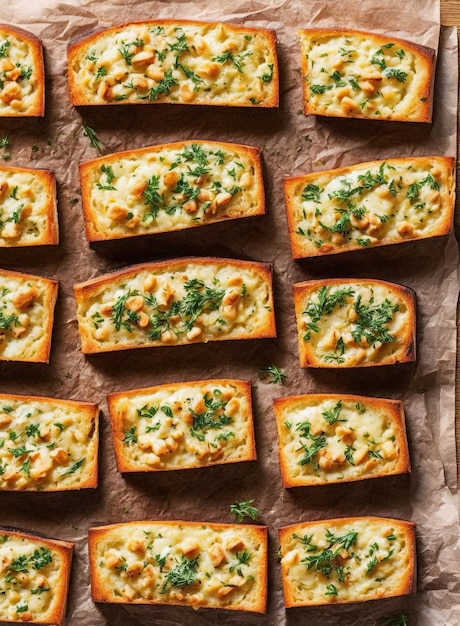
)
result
[(370, 204), (24, 316), (170, 188), (198, 302), (354, 324), (46, 445), (183, 62), (30, 573), (26, 198), (183, 425), (20, 90), (336, 561), (361, 75), (180, 563), (332, 440)]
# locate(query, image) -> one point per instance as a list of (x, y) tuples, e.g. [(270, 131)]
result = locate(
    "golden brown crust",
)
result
[(27, 338), (158, 79), (122, 209), (379, 543), (364, 322), (363, 438), (58, 579), (408, 96), (164, 434), (127, 542), (10, 103), (29, 216), (221, 284), (420, 206), (60, 441)]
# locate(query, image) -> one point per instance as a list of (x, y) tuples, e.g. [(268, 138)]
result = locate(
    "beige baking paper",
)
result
[(292, 144)]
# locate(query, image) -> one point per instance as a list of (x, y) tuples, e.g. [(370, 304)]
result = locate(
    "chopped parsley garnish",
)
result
[(267, 76), (324, 305), (317, 442), (332, 415), (237, 60), (107, 171), (213, 417), (244, 509), (272, 374), (73, 468), (40, 558), (182, 575), (312, 192), (93, 139), (371, 321), (163, 88), (130, 435)]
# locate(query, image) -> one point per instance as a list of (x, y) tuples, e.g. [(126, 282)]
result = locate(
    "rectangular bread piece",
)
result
[(370, 204), (347, 560), (336, 438), (170, 187), (182, 425), (35, 573), (180, 563), (26, 316), (175, 61), (356, 74), (54, 447), (181, 301), (22, 68), (28, 207), (354, 323)]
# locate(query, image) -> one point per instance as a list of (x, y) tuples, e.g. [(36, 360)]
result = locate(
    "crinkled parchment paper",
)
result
[(292, 144)]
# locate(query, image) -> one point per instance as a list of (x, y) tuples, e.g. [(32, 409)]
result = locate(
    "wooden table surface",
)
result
[(450, 16)]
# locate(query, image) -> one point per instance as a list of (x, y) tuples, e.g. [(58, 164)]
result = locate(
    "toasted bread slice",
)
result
[(336, 438), (345, 560), (54, 447), (354, 323), (26, 316), (28, 207), (170, 187), (370, 204), (35, 578), (22, 92), (175, 562), (182, 301), (356, 74), (182, 425), (177, 62)]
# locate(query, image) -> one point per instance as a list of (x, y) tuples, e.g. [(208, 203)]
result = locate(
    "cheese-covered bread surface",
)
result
[(48, 444), (370, 204), (345, 560), (170, 187), (22, 71), (182, 425), (354, 323), (198, 564), (182, 301), (355, 74), (26, 316), (28, 207), (175, 61), (34, 577), (335, 438)]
